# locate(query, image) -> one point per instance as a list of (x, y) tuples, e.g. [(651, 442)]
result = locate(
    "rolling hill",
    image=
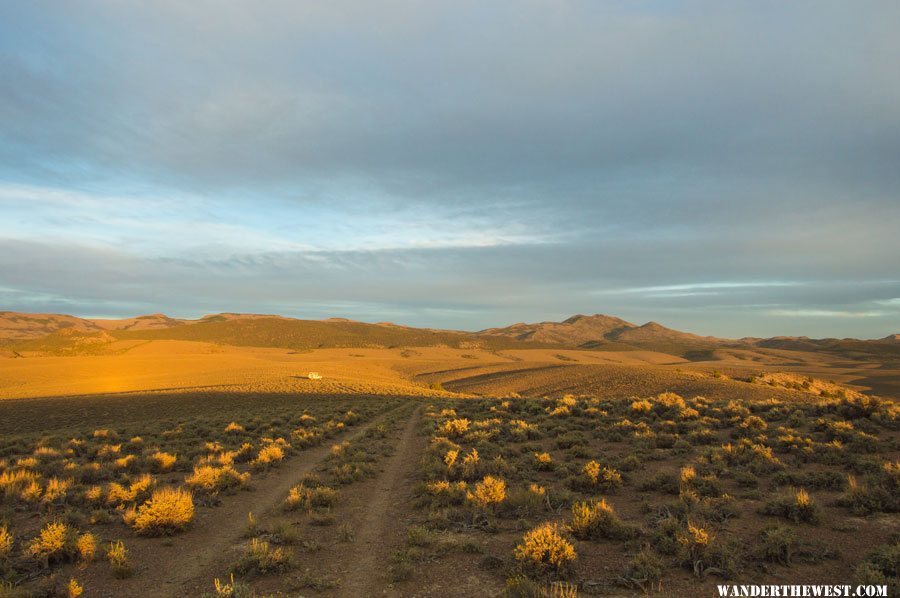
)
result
[(17, 326), (573, 332), (607, 332), (63, 334), (66, 335)]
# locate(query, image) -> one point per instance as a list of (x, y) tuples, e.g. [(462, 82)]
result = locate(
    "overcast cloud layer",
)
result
[(726, 168)]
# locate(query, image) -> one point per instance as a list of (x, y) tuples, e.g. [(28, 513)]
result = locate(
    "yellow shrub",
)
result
[(163, 461), (757, 457), (262, 557), (591, 470), (117, 555), (544, 549), (117, 494), (694, 542), (670, 400), (46, 452), (12, 482), (485, 424), (688, 413), (31, 492), (109, 450), (86, 546), (454, 427), (606, 478), (307, 437), (519, 429), (643, 406), (216, 479), (447, 493), (543, 461), (74, 589), (339, 449), (226, 589), (56, 489), (310, 498), (567, 401), (6, 542), (593, 520), (55, 542), (489, 491), (537, 490), (269, 455), (450, 458), (234, 428), (168, 510), (94, 494), (470, 463)]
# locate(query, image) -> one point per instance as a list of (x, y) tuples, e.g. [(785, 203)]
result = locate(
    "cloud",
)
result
[(822, 313), (461, 163)]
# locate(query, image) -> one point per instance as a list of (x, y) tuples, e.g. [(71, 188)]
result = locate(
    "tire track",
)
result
[(379, 533), (186, 564)]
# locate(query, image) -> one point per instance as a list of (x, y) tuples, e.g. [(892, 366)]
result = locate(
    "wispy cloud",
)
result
[(182, 224), (697, 288), (825, 313)]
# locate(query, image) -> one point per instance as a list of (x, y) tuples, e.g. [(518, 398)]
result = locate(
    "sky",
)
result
[(725, 168)]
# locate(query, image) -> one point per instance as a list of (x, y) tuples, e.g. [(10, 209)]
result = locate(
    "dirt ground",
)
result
[(379, 536), (185, 366)]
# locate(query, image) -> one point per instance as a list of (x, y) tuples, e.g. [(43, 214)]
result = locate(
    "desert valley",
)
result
[(505, 299)]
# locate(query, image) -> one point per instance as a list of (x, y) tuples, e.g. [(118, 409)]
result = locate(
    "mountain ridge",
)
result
[(597, 331)]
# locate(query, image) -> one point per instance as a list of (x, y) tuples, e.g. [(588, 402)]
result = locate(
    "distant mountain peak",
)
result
[(582, 330), (592, 318), (575, 330), (573, 319)]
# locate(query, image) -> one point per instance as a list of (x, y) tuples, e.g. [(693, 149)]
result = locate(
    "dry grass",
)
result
[(117, 555), (261, 557), (6, 543)]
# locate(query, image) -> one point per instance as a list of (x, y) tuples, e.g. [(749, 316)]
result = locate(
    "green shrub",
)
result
[(882, 567), (261, 557), (595, 520), (645, 571), (799, 507)]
